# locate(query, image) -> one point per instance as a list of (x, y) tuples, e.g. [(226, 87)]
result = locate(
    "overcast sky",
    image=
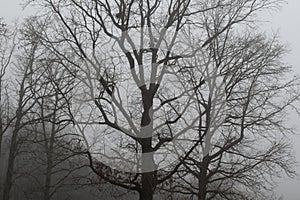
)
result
[(287, 21)]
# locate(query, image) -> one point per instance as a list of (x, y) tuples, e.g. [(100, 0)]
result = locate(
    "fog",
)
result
[(286, 21)]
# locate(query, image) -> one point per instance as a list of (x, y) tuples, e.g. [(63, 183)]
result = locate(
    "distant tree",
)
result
[(42, 152), (134, 104), (21, 102), (7, 47), (51, 150)]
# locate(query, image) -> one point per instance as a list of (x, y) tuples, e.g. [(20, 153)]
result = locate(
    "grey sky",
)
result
[(11, 9), (287, 21)]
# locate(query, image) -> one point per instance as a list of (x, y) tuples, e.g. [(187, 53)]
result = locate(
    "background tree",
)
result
[(23, 102), (43, 158), (6, 53), (51, 149), (242, 132), (7, 39)]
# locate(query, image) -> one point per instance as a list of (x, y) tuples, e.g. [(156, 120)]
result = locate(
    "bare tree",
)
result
[(242, 132), (44, 156), (53, 106), (22, 104), (125, 57), (6, 53), (50, 144)]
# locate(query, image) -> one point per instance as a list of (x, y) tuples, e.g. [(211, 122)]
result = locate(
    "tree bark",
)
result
[(202, 179), (148, 164), (148, 186), (11, 160), (148, 171), (49, 169), (50, 151)]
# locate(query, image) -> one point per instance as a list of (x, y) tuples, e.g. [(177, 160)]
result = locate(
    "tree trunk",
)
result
[(11, 160), (148, 164), (13, 148), (202, 179), (148, 185), (1, 119), (202, 187), (48, 172), (50, 151), (1, 137), (148, 171)]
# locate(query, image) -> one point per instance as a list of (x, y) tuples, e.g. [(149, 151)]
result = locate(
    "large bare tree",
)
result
[(132, 104)]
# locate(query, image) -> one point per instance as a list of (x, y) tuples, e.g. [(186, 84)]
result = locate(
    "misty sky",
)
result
[(287, 21)]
